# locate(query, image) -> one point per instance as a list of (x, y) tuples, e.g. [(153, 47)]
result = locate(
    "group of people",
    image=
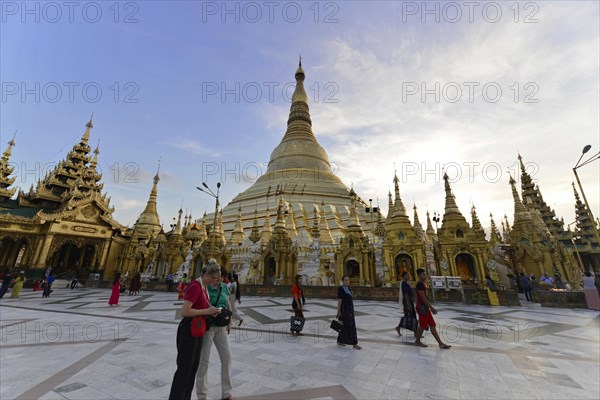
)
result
[(19, 281), (208, 301), (44, 285), (421, 307)]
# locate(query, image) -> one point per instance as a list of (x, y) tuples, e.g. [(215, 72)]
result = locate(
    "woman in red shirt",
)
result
[(195, 303), (297, 305)]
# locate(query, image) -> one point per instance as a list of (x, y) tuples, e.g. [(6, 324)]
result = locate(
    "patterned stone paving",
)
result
[(73, 346)]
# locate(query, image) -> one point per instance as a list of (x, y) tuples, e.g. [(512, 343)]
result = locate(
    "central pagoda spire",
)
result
[(299, 147)]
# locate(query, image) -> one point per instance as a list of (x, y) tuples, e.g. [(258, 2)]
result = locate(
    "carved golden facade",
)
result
[(64, 222)]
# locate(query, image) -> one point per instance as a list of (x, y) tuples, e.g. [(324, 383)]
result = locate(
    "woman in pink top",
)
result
[(195, 303)]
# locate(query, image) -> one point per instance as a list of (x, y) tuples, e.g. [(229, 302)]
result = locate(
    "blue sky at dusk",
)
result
[(158, 62)]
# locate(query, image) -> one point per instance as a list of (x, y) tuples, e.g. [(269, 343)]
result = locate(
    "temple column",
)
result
[(82, 255), (452, 264), (14, 251), (67, 255), (7, 249), (36, 253), (41, 261)]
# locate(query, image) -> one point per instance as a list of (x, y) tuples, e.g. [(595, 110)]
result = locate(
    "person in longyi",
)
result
[(345, 313), (426, 312)]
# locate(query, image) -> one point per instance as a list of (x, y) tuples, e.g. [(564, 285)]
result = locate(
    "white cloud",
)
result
[(371, 128)]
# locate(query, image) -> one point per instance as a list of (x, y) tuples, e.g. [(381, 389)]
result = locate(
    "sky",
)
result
[(413, 87)]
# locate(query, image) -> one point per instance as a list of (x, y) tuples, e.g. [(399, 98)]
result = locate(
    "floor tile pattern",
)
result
[(73, 346)]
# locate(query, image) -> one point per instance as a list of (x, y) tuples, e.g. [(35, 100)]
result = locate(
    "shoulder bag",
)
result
[(199, 323), (224, 317)]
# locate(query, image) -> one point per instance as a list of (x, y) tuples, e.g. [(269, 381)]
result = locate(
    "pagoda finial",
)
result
[(156, 178), (7, 153), (450, 206), (300, 61), (300, 93), (94, 161), (86, 135)]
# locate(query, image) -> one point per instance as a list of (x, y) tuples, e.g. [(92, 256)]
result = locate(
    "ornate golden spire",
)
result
[(280, 222), (267, 230), (325, 237), (299, 147), (390, 207), (450, 207), (8, 152), (86, 135), (300, 93), (149, 219), (353, 221), (94, 162), (429, 231), (255, 233), (416, 223), (495, 236), (291, 223), (521, 214), (203, 234), (475, 223), (315, 232), (177, 230), (237, 236), (6, 170), (399, 209)]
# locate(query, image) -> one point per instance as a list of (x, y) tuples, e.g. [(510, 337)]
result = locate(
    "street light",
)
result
[(575, 244), (579, 165), (436, 219), (216, 196)]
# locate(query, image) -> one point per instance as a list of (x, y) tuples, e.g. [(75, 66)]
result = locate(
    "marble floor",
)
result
[(73, 346)]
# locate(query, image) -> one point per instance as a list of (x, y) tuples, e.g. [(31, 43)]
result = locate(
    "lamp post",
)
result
[(436, 219), (575, 245), (209, 192), (579, 165), (371, 211)]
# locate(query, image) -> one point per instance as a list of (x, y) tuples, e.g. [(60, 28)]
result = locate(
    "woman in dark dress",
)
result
[(346, 315), (408, 304)]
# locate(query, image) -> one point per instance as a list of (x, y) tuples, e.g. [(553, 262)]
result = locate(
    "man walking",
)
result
[(526, 285), (425, 311), (170, 283)]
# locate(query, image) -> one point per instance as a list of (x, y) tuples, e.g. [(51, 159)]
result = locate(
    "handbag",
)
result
[(408, 322), (423, 309), (337, 325), (198, 326), (297, 323), (224, 317)]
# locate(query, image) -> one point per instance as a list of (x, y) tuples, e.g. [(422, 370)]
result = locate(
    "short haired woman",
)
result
[(195, 303), (345, 313), (218, 333)]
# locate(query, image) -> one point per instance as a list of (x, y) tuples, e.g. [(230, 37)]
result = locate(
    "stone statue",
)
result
[(498, 266), (253, 276), (324, 276)]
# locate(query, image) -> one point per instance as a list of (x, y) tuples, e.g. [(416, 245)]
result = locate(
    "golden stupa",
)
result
[(298, 171)]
